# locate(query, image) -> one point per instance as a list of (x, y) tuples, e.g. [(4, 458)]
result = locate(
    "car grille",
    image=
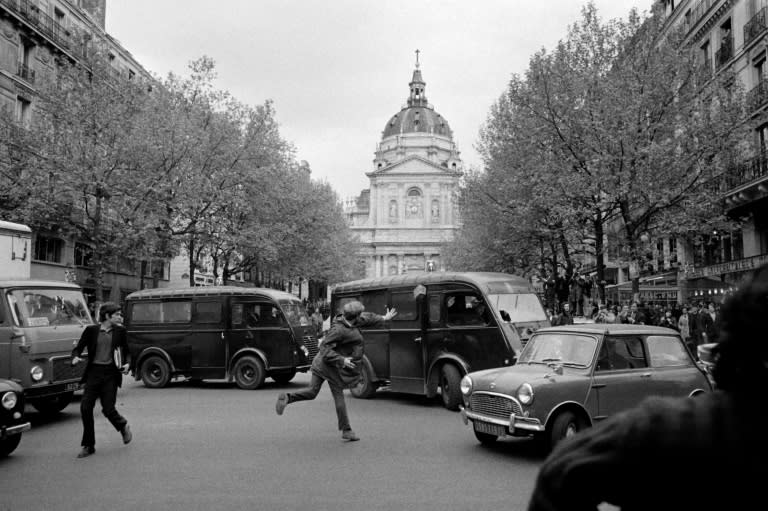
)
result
[(311, 344), (494, 405), (64, 370)]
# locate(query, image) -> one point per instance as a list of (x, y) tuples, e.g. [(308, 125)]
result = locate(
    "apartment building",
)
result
[(33, 35)]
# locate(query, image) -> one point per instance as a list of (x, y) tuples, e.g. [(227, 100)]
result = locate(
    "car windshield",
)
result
[(48, 307), (566, 349), (295, 312), (517, 307)]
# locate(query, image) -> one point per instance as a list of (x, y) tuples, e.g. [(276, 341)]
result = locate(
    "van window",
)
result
[(375, 302), (434, 309), (466, 309), (44, 307), (207, 312), (257, 315), (161, 312), (517, 307), (405, 304)]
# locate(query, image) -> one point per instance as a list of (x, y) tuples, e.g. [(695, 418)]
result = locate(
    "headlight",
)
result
[(37, 373), (9, 400), (466, 385), (304, 350), (525, 394)]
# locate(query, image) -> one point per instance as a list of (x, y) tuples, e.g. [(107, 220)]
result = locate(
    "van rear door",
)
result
[(406, 346)]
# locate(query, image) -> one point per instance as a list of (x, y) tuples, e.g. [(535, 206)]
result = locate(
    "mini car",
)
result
[(569, 377), (12, 423)]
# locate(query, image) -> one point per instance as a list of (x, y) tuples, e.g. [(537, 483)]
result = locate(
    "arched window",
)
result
[(414, 204)]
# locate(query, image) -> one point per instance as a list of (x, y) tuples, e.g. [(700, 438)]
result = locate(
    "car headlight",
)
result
[(37, 373), (466, 385), (9, 400), (525, 394)]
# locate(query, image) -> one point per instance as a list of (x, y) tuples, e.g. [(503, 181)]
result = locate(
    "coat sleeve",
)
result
[(369, 319), (85, 339), (121, 342), (328, 348)]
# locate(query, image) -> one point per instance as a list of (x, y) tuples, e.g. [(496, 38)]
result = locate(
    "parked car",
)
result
[(12, 421), (570, 377)]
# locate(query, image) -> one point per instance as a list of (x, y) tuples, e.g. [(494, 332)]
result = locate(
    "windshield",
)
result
[(517, 307), (48, 307), (567, 349), (296, 313)]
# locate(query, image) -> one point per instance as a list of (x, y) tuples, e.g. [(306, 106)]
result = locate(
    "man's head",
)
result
[(352, 310), (110, 311), (741, 357), (566, 307)]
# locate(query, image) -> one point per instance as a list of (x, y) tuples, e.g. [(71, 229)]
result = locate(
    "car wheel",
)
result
[(9, 444), (450, 386), (565, 425), (485, 438), (249, 373), (283, 377), (365, 388), (53, 405), (155, 372)]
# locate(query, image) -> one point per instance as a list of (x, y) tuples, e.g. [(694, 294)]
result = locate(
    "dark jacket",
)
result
[(89, 339), (342, 340)]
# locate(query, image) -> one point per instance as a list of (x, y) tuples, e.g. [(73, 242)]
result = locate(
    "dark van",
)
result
[(218, 332), (447, 325)]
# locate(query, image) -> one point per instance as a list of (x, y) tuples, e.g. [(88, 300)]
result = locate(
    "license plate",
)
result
[(71, 386), (490, 429)]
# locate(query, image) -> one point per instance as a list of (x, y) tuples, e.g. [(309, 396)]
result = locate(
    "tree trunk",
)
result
[(599, 257), (192, 264)]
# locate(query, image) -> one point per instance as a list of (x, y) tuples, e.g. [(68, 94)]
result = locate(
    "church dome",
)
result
[(417, 116)]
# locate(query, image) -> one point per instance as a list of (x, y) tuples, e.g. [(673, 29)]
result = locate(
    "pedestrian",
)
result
[(683, 324), (710, 324), (564, 316), (671, 443), (339, 362), (108, 355), (668, 321), (636, 315)]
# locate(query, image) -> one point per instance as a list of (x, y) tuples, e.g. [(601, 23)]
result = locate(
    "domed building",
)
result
[(408, 212)]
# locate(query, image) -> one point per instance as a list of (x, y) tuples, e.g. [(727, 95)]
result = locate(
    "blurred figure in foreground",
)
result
[(702, 453)]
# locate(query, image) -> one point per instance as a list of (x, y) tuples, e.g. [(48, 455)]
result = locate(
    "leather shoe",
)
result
[(127, 435), (282, 402), (85, 452), (349, 436)]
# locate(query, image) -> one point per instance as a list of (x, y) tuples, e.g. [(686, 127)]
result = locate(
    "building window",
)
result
[(131, 74), (414, 206), (23, 111), (157, 269), (48, 249), (83, 254)]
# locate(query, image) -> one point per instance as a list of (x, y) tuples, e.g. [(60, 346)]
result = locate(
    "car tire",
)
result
[(283, 377), (249, 373), (565, 424), (485, 438), (366, 388), (450, 386), (155, 372), (53, 405), (9, 444)]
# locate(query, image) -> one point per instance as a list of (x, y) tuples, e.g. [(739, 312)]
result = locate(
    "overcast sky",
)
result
[(337, 70)]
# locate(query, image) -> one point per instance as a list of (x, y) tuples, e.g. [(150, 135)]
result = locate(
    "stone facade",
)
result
[(408, 212)]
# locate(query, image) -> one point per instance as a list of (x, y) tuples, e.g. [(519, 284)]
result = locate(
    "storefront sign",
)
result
[(748, 264)]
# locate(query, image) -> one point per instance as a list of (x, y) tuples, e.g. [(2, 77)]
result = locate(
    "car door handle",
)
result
[(645, 375), (417, 339)]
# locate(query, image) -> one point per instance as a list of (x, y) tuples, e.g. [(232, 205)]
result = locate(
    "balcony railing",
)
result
[(725, 53), (25, 73), (757, 97), (41, 21), (747, 171), (754, 26)]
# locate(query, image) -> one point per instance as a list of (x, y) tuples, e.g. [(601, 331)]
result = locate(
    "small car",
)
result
[(12, 423), (570, 377)]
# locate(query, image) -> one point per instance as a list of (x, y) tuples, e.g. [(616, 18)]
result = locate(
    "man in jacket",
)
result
[(666, 442), (107, 349), (338, 362)]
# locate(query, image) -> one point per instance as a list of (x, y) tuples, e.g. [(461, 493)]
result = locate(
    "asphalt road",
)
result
[(211, 446)]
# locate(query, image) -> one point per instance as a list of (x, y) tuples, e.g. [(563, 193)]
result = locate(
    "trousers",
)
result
[(101, 384), (309, 393)]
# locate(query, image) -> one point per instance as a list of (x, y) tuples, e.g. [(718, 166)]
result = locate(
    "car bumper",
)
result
[(516, 423), (49, 390), (15, 430)]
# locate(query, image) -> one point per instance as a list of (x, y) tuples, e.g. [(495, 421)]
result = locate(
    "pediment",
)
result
[(413, 165)]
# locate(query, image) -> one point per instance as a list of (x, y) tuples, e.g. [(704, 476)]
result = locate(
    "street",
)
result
[(212, 446)]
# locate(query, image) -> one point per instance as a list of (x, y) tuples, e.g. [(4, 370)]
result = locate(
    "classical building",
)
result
[(408, 212), (34, 34)]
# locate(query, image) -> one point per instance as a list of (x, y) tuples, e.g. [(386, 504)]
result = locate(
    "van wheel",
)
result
[(566, 425), (155, 372), (450, 386), (366, 388), (283, 377), (9, 444), (249, 373), (53, 405)]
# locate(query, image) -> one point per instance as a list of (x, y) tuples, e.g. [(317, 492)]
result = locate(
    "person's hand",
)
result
[(125, 368), (391, 313), (76, 360), (348, 363)]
